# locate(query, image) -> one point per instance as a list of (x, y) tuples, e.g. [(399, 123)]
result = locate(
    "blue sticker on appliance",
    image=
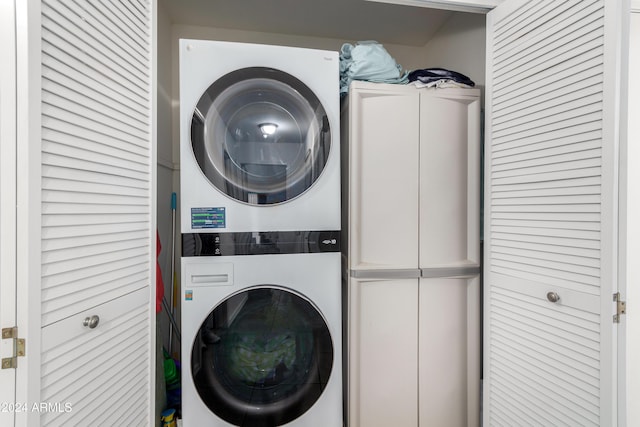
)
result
[(188, 295), (208, 218)]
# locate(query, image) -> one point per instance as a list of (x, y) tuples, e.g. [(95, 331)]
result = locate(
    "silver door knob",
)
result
[(91, 322), (553, 296)]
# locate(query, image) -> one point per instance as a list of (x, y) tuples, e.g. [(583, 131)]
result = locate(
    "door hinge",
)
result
[(18, 347), (621, 307)]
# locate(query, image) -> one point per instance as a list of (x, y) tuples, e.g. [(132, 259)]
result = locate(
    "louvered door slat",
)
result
[(565, 78), (515, 21), (552, 191), (69, 65), (103, 107), (120, 34), (59, 156), (539, 67), (562, 337), (135, 17), (65, 100), (563, 146), (93, 141), (567, 27), (548, 107), (57, 35), (60, 149), (58, 47), (547, 101), (75, 19), (116, 16), (530, 26), (550, 213), (69, 77), (92, 177)]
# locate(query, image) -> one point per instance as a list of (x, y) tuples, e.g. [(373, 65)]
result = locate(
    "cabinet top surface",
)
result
[(390, 87)]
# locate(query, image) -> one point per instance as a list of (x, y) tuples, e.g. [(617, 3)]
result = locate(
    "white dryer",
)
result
[(259, 138), (261, 340)]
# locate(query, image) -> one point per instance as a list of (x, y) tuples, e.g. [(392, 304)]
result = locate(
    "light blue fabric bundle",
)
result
[(370, 61)]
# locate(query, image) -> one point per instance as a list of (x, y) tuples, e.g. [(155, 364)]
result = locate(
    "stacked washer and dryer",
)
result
[(260, 223)]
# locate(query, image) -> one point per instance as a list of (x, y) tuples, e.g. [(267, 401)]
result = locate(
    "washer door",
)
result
[(262, 357), (260, 136)]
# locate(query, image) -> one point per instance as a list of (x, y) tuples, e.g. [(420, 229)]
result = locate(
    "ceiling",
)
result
[(348, 20)]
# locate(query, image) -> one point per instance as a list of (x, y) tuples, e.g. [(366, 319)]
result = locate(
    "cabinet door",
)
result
[(383, 353), (383, 180), (449, 178), (449, 352)]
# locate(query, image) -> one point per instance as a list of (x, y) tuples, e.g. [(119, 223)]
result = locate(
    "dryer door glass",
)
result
[(260, 136), (262, 357)]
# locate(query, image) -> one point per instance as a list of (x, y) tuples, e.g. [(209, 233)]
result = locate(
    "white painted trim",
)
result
[(153, 131), (28, 227), (630, 233), (7, 198), (473, 6), (635, 6), (611, 337)]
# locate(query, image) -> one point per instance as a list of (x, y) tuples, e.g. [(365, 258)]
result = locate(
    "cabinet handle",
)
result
[(553, 296), (91, 322)]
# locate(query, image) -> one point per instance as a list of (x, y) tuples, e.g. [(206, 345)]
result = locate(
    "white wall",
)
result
[(459, 45), (633, 229), (166, 161)]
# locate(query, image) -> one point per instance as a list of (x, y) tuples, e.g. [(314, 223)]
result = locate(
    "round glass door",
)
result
[(260, 136), (262, 357)]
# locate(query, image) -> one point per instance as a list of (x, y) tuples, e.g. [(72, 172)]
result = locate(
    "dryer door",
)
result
[(260, 136), (262, 357)]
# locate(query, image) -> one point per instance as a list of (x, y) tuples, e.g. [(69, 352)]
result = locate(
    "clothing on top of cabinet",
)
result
[(439, 77), (441, 84), (369, 61)]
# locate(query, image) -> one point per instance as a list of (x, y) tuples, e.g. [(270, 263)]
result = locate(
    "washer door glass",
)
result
[(262, 357), (260, 136)]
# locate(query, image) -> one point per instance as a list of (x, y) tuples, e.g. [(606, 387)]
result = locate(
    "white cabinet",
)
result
[(411, 184)]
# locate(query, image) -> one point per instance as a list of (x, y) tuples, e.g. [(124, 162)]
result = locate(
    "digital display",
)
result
[(208, 218)]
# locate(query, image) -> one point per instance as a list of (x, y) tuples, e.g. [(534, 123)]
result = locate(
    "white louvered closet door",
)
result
[(98, 216), (551, 213)]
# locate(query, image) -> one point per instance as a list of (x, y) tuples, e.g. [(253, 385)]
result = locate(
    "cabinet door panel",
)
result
[(449, 178), (384, 180), (383, 350), (449, 352)]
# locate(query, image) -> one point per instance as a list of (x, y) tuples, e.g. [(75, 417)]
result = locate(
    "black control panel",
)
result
[(259, 243)]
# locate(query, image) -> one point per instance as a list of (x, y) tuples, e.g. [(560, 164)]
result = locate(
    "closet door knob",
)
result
[(553, 297), (91, 322)]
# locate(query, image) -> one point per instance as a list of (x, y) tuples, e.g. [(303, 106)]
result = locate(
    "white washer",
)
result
[(259, 138), (261, 340)]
